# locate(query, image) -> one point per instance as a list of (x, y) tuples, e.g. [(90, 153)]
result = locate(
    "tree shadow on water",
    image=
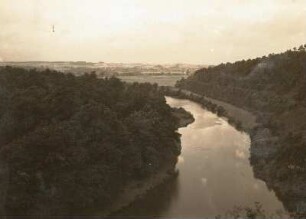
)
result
[(156, 202)]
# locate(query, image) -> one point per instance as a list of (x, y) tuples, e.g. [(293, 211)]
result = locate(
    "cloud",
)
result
[(149, 31)]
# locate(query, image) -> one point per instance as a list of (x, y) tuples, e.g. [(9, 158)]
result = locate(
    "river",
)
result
[(214, 173)]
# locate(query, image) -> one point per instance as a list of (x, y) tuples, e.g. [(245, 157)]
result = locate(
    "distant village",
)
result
[(103, 69)]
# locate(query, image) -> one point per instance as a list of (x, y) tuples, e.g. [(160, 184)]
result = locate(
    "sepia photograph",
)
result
[(153, 109)]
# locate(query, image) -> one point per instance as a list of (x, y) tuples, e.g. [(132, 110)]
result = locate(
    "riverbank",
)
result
[(138, 188), (76, 154), (184, 118), (264, 148), (242, 119), (213, 162)]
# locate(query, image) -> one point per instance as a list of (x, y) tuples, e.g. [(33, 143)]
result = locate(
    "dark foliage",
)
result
[(72, 143), (274, 88)]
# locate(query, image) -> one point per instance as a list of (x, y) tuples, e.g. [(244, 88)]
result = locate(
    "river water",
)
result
[(214, 173)]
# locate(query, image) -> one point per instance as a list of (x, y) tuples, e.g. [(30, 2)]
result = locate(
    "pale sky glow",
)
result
[(154, 31)]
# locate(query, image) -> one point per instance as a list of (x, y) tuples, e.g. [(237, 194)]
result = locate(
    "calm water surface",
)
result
[(214, 172)]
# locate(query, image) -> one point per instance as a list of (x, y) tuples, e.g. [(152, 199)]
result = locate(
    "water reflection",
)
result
[(215, 173), (157, 202)]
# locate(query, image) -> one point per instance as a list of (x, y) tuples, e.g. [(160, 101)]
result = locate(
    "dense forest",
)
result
[(273, 88), (69, 144)]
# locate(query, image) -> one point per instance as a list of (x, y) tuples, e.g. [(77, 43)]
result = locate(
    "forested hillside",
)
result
[(72, 143), (274, 88)]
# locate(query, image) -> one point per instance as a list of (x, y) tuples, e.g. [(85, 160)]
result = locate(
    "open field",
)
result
[(162, 80)]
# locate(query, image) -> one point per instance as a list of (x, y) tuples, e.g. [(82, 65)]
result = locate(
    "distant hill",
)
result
[(103, 69), (274, 88)]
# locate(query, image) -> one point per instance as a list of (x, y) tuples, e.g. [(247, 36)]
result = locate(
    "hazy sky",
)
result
[(155, 31)]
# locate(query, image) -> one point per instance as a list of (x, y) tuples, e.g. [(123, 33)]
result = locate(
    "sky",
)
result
[(149, 31)]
